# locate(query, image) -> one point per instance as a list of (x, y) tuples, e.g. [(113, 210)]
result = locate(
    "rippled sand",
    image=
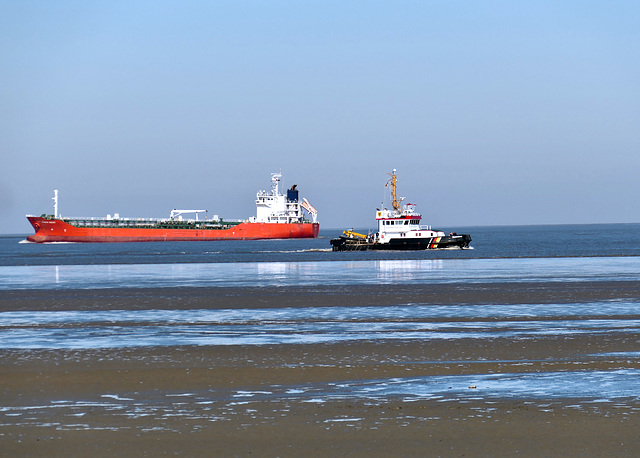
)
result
[(566, 393)]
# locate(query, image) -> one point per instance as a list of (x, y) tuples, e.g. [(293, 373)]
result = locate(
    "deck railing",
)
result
[(152, 223)]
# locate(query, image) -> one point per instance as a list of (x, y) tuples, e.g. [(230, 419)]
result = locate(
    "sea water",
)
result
[(594, 240), (497, 254)]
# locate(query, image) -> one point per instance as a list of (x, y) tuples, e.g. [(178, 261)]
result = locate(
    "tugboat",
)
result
[(399, 229)]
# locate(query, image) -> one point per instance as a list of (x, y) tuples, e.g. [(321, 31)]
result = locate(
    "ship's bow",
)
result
[(36, 223)]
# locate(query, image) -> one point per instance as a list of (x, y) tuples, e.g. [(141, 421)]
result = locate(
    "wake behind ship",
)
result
[(278, 216)]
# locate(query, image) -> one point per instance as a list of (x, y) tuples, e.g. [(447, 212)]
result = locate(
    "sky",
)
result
[(492, 112)]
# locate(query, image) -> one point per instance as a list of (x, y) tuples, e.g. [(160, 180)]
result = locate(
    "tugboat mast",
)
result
[(394, 185)]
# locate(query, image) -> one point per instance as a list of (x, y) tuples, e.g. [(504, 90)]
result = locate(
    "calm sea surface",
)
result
[(498, 254), (523, 253), (599, 240)]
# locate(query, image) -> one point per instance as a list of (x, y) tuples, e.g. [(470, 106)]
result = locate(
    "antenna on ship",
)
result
[(55, 203), (275, 178)]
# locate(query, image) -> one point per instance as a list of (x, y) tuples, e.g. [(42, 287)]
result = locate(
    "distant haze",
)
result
[(492, 112)]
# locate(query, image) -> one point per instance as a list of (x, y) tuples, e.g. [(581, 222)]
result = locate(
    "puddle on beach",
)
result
[(143, 328)]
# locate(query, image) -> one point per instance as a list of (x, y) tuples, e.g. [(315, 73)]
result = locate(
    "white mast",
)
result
[(275, 178), (55, 203)]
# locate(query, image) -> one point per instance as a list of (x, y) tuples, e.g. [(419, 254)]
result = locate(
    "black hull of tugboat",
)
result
[(436, 243)]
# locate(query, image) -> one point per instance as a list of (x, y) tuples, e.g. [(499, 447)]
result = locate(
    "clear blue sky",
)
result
[(493, 112)]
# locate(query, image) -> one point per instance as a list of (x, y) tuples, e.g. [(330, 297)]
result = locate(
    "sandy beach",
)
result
[(243, 400)]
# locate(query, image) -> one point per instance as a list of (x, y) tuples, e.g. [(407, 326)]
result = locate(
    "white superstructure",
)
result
[(402, 222), (274, 207)]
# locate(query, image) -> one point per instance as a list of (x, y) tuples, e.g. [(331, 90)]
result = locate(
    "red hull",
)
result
[(55, 230)]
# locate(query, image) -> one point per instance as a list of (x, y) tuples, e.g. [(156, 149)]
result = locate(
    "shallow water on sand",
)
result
[(312, 325)]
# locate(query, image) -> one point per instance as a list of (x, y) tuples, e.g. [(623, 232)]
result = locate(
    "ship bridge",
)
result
[(274, 207)]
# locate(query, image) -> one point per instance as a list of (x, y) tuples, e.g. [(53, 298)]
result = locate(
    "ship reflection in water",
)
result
[(424, 271)]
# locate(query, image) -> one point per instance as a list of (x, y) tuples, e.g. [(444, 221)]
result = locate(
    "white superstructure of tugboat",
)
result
[(399, 229)]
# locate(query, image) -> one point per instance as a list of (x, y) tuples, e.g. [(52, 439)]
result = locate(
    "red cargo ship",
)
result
[(278, 216)]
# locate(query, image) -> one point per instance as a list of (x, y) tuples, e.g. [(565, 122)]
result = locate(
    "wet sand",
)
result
[(318, 296), (219, 401)]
